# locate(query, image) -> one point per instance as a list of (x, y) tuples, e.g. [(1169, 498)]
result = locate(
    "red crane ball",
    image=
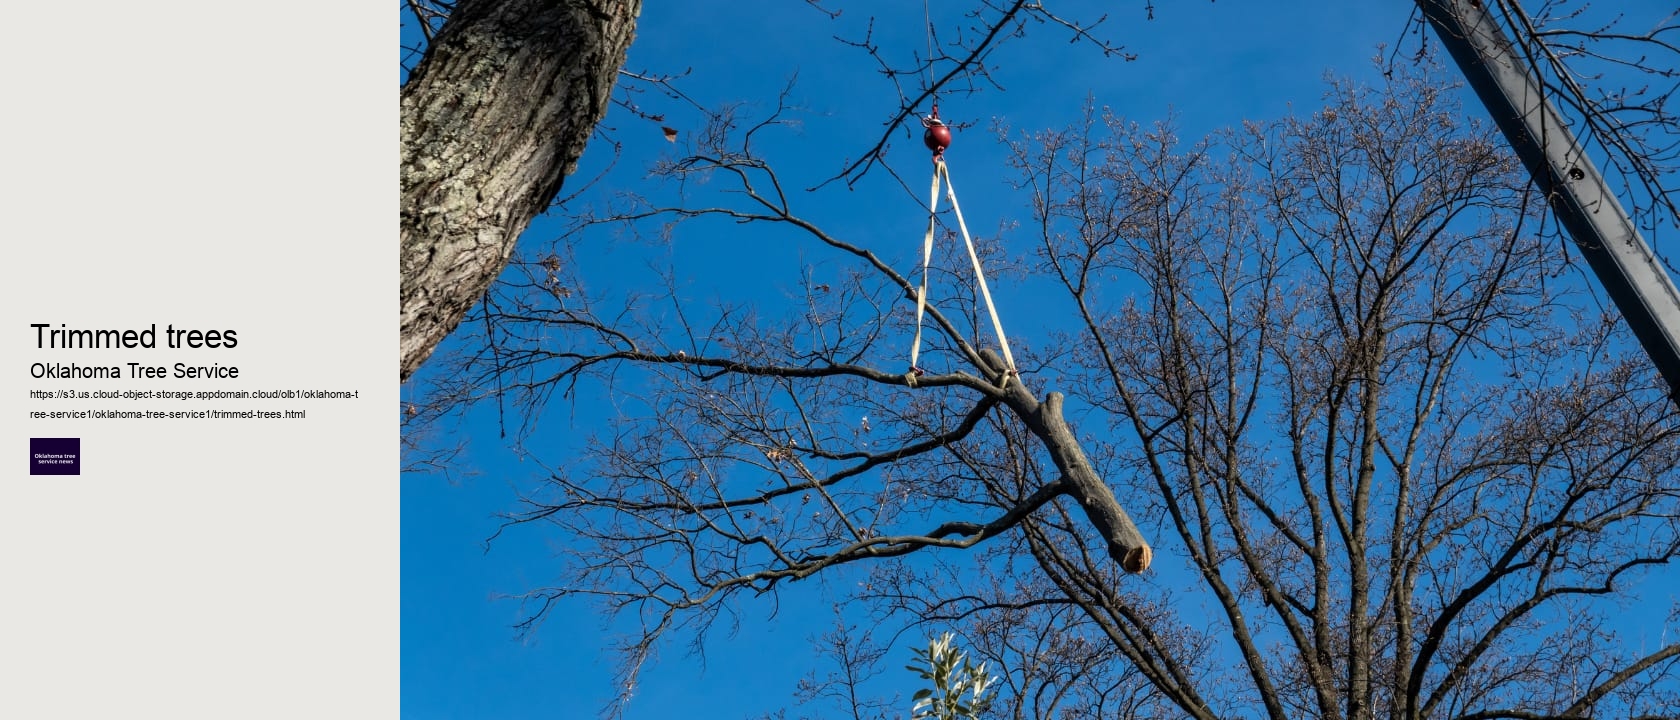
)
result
[(937, 137)]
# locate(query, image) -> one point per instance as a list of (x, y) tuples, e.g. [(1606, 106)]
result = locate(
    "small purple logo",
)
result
[(55, 456)]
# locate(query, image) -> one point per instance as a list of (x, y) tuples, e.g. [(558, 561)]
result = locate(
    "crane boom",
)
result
[(1561, 168)]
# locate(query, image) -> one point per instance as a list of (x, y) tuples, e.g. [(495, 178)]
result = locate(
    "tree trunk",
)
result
[(493, 119)]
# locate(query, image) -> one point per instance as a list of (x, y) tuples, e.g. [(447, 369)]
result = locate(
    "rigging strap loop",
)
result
[(941, 171), (927, 257)]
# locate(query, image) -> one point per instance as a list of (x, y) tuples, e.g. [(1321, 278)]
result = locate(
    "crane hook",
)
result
[(938, 134)]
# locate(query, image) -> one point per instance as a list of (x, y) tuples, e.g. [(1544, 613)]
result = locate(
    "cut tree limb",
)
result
[(1125, 543)]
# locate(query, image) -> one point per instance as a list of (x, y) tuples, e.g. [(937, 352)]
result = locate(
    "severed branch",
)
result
[(1125, 543)]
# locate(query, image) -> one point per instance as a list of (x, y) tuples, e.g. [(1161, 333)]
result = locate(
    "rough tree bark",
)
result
[(493, 119)]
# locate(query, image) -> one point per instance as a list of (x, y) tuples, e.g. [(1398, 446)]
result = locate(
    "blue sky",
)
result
[(1210, 65)]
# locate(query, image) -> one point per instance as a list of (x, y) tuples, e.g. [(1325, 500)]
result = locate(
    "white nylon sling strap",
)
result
[(940, 170), (927, 256), (979, 275)]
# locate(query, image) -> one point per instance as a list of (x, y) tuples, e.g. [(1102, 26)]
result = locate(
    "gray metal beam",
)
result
[(1562, 170)]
